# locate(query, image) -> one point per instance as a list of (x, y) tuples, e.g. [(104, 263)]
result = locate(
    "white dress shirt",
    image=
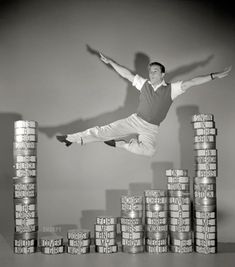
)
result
[(176, 89)]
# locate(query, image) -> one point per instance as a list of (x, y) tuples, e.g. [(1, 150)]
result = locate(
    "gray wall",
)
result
[(50, 72)]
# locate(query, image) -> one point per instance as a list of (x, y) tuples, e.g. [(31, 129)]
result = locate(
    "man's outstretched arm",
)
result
[(204, 79), (124, 72)]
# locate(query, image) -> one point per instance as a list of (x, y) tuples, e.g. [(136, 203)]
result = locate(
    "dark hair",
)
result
[(162, 67)]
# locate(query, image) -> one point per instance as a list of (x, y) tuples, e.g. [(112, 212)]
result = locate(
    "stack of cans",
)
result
[(178, 185), (205, 218), (51, 245), (156, 222), (25, 187), (106, 235), (79, 241), (131, 224)]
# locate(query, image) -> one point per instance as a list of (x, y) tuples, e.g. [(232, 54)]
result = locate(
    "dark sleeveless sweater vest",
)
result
[(153, 106)]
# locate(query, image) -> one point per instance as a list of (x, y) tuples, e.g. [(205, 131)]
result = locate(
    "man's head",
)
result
[(156, 72)]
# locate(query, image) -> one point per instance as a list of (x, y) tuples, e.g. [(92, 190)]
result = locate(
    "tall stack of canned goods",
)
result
[(79, 241), (106, 234), (205, 217), (131, 224), (25, 186), (178, 185), (156, 222)]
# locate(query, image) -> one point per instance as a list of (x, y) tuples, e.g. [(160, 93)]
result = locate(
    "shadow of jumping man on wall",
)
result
[(129, 106)]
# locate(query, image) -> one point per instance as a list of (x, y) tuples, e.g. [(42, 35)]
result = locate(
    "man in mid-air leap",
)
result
[(156, 97)]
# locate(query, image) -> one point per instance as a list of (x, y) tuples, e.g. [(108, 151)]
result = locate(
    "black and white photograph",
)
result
[(117, 133)]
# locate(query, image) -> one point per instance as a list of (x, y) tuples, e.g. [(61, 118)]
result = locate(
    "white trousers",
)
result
[(144, 144)]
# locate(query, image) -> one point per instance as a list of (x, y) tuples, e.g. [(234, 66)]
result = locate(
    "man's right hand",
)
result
[(122, 71), (104, 59)]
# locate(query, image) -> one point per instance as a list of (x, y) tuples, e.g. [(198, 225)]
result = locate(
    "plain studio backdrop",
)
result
[(50, 73)]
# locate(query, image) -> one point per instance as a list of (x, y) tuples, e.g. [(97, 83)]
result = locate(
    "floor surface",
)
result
[(225, 257)]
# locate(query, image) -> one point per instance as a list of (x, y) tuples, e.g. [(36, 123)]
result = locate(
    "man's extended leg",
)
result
[(113, 130), (146, 141), (144, 144)]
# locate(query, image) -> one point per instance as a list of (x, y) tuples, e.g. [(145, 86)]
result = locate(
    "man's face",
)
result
[(155, 74)]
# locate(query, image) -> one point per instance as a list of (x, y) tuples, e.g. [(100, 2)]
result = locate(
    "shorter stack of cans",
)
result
[(156, 223), (25, 187), (51, 245), (205, 218), (178, 185), (25, 243), (106, 235), (79, 241), (132, 230)]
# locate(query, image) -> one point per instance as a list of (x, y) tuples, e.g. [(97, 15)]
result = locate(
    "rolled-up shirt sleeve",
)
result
[(176, 89), (138, 82)]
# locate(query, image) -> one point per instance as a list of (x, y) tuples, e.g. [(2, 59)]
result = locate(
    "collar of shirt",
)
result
[(159, 85)]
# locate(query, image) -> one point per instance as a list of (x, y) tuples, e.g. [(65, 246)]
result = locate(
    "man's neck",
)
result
[(158, 84)]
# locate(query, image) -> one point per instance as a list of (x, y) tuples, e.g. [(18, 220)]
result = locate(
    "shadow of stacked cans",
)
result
[(180, 232), (79, 241), (131, 224), (205, 217), (156, 222), (25, 187), (105, 235)]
